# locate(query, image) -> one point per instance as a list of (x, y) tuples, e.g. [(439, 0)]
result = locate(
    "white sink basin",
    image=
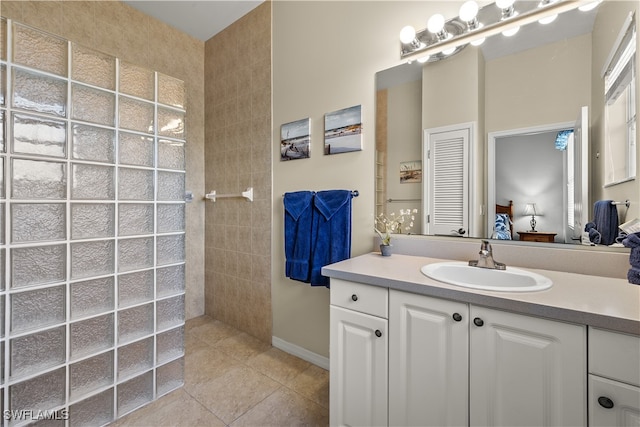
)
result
[(509, 280)]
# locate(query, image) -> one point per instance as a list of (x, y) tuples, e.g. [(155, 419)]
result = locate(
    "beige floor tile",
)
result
[(285, 408), (234, 393), (206, 364), (212, 332), (197, 321), (313, 384), (242, 347), (233, 377), (192, 343), (278, 365), (175, 409)]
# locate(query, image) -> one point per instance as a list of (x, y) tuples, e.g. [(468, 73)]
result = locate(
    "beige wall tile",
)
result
[(238, 155)]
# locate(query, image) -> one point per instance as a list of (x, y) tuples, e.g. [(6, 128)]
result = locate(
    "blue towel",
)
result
[(594, 235), (298, 215), (605, 217), (633, 241), (633, 275), (331, 235)]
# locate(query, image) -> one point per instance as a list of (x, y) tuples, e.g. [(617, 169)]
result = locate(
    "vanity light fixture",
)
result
[(590, 6), (408, 37), (444, 38), (507, 9), (469, 14), (435, 25), (547, 19), (508, 12)]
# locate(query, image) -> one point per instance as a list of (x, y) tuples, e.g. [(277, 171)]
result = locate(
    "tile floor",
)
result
[(233, 379)]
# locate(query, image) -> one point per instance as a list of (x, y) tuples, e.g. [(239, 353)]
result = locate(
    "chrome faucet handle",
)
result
[(485, 248)]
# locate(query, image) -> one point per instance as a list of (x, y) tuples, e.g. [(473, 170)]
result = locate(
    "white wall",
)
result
[(404, 124), (529, 170), (325, 56)]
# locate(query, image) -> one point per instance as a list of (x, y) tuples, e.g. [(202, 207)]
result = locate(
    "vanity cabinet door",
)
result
[(358, 371), (428, 361), (526, 370)]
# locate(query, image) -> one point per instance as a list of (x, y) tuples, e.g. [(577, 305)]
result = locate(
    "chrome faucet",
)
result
[(486, 258)]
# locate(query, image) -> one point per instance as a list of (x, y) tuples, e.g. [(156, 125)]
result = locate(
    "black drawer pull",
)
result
[(457, 317), (378, 333), (605, 402), (478, 321), (354, 297)]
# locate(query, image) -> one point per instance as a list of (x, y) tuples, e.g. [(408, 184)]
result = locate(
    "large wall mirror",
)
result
[(515, 126)]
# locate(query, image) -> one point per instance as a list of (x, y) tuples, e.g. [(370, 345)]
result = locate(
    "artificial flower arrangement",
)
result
[(385, 225)]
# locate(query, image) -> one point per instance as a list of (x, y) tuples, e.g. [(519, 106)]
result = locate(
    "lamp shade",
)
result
[(530, 209)]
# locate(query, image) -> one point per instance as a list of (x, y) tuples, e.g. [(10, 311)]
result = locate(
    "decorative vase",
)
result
[(385, 250)]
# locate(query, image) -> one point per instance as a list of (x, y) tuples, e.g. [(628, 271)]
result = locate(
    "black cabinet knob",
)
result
[(457, 317), (354, 297), (605, 402), (478, 321), (378, 333)]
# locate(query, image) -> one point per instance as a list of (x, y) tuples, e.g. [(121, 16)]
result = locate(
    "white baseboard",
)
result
[(300, 352)]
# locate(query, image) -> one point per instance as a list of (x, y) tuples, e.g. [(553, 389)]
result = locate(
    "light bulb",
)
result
[(589, 6), (468, 11), (478, 42), (407, 34), (435, 23), (424, 59), (449, 51), (510, 32), (548, 19), (504, 4)]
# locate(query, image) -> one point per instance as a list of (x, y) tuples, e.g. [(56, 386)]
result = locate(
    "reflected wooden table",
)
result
[(537, 236)]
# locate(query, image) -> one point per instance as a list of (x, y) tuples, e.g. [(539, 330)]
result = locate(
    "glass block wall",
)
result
[(92, 220)]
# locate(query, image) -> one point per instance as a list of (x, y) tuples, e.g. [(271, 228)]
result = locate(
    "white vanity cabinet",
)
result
[(614, 378), (358, 354), (450, 363)]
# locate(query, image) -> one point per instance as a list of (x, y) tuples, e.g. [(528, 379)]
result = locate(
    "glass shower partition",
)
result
[(92, 231)]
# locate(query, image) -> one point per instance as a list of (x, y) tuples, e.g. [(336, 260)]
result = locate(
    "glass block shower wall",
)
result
[(92, 250)]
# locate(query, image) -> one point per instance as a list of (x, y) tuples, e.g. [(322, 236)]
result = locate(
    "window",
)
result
[(620, 108)]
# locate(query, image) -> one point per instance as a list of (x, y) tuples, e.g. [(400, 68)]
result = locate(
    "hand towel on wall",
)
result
[(298, 215), (605, 217), (331, 232)]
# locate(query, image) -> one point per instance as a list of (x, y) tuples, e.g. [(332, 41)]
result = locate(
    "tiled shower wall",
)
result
[(238, 155), (93, 241)]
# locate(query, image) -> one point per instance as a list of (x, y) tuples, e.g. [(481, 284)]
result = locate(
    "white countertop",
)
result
[(590, 300)]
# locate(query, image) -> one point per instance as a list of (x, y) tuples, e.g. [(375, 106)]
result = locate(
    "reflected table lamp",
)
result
[(531, 209)]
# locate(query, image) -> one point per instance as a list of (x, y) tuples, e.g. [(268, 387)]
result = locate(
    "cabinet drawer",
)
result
[(614, 355), (357, 296)]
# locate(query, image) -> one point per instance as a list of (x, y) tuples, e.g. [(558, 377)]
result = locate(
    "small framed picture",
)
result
[(294, 140), (343, 130), (411, 172)]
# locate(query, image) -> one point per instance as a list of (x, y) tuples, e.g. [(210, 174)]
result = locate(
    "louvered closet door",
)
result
[(448, 186)]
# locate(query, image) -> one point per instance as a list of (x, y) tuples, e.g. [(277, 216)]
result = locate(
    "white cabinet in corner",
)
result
[(428, 361), (358, 355), (614, 379)]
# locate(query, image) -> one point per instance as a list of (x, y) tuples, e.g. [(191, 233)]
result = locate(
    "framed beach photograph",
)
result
[(343, 130), (410, 172), (294, 140)]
